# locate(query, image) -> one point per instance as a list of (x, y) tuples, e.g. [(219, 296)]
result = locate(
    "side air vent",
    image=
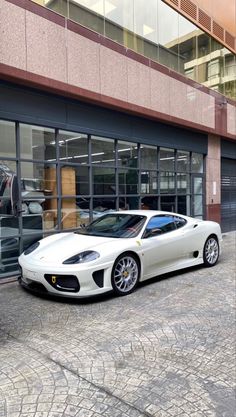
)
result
[(204, 19), (98, 277), (188, 7), (195, 253), (218, 30)]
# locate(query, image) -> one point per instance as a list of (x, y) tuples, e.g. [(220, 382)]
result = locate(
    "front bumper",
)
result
[(81, 283)]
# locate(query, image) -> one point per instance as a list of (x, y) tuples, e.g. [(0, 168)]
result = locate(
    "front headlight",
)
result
[(86, 256), (31, 248)]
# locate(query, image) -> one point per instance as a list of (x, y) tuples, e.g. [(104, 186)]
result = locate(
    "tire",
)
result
[(211, 251), (125, 274)]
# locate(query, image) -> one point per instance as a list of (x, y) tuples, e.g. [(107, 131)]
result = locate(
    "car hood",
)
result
[(55, 251)]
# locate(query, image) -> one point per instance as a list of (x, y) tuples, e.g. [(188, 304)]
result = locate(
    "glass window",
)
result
[(115, 225), (38, 180), (167, 182), (148, 157), (183, 183), (160, 224), (168, 203), (9, 248), (7, 140), (183, 161), (74, 180), (168, 33), (183, 204), (197, 162), (119, 21), (103, 181), (7, 171), (37, 143), (127, 154), (103, 151), (149, 203), (187, 42), (197, 206), (102, 204), (89, 13), (149, 182), (73, 147), (167, 159), (128, 181)]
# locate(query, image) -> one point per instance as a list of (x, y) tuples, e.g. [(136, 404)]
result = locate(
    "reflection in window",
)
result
[(7, 170), (197, 162), (149, 182), (182, 161), (128, 181), (7, 140), (167, 182), (167, 159), (100, 205), (103, 180), (72, 216), (127, 154), (9, 247), (168, 203), (103, 151), (37, 142), (183, 204), (73, 147), (183, 183), (148, 157), (75, 180), (149, 203)]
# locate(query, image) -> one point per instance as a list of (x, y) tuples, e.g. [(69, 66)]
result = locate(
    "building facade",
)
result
[(110, 104)]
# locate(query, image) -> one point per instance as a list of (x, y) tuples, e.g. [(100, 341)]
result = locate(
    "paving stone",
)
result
[(164, 351)]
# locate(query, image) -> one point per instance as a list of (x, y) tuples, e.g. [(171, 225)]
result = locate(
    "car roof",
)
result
[(150, 213)]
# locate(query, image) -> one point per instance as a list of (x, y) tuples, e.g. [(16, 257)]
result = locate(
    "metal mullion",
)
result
[(175, 172), (158, 178), (58, 180), (139, 174), (18, 173), (117, 176), (90, 177)]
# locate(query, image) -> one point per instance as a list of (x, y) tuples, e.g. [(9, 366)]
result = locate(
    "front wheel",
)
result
[(125, 274), (211, 251)]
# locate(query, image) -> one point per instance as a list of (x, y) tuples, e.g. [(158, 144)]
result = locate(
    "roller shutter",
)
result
[(228, 194)]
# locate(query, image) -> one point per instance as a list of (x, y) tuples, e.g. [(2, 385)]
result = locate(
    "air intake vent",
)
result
[(188, 7), (175, 2), (218, 30), (229, 39), (204, 19)]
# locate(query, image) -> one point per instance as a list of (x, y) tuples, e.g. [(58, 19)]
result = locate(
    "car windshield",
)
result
[(115, 225)]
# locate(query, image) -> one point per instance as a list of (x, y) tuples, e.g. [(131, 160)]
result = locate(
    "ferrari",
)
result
[(117, 251)]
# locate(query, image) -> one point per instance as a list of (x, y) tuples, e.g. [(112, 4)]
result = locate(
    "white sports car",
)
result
[(118, 250)]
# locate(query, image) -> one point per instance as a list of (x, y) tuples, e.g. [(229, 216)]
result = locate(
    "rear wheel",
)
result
[(211, 251), (125, 274)]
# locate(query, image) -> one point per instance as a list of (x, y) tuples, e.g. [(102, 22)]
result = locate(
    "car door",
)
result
[(162, 245)]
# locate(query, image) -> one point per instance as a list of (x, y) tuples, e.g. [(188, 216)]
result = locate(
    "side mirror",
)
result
[(14, 195), (153, 232)]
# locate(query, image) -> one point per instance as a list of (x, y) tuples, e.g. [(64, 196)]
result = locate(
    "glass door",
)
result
[(197, 196), (9, 220)]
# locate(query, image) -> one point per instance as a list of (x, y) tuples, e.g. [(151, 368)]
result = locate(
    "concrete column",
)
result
[(213, 178)]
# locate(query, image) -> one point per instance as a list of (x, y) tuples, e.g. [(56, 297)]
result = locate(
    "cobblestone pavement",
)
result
[(166, 350)]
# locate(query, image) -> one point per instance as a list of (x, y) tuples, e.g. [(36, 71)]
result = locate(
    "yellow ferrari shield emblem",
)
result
[(54, 279)]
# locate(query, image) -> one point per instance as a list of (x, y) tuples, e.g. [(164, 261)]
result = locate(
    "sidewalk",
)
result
[(166, 350)]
